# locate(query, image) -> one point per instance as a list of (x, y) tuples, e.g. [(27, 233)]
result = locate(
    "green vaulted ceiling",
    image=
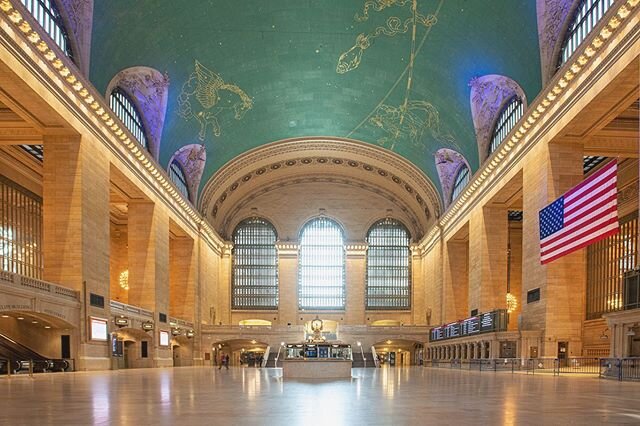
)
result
[(274, 69)]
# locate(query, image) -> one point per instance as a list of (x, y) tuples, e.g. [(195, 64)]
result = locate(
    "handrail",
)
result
[(374, 354), (180, 322)]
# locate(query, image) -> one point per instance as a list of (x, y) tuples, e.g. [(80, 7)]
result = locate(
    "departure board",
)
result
[(482, 323)]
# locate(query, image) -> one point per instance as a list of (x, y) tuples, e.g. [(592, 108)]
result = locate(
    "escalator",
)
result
[(17, 357)]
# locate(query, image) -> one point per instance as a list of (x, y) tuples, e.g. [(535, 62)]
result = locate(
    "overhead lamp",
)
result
[(5, 316), (20, 318)]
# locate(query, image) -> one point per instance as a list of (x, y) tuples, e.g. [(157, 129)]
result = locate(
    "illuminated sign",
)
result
[(98, 329), (164, 338)]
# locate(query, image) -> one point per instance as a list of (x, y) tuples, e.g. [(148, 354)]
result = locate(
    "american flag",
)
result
[(582, 216)]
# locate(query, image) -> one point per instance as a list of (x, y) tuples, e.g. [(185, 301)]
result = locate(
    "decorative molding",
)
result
[(553, 21), (360, 153), (489, 95), (77, 15), (192, 158), (448, 163), (149, 90), (230, 218)]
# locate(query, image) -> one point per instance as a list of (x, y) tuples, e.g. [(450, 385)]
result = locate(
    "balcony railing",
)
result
[(40, 286), (130, 309)]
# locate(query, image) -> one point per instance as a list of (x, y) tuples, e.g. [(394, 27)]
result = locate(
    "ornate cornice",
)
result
[(44, 58)]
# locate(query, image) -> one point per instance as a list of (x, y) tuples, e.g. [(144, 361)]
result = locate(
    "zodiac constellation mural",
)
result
[(408, 121), (351, 59), (214, 97), (412, 118)]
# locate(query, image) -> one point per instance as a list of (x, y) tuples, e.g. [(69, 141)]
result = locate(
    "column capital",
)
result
[(287, 248)]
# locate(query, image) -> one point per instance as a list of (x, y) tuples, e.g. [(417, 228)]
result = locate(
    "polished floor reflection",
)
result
[(247, 396)]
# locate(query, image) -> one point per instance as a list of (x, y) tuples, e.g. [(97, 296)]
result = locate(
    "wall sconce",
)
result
[(147, 326), (176, 331), (190, 333), (123, 279)]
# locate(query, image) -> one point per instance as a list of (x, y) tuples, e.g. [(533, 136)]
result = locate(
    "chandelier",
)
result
[(124, 279), (512, 303)]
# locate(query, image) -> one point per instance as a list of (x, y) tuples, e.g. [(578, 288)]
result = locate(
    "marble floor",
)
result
[(248, 396)]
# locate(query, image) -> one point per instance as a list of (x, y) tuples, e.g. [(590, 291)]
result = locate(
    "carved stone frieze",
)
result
[(192, 158), (448, 162), (489, 94), (149, 89)]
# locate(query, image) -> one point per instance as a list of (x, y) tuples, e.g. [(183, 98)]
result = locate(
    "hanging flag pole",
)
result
[(582, 216)]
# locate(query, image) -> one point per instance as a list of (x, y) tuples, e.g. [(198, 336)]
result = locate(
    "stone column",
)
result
[(456, 280), (551, 170), (182, 271), (75, 187), (149, 268), (418, 299), (488, 237), (356, 273), (224, 288), (288, 279)]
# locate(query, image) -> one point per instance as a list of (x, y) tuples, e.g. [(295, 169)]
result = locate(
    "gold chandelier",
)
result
[(124, 279), (512, 303)]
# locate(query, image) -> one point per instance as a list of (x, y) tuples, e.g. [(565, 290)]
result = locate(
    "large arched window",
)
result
[(507, 120), (321, 280), (255, 265), (587, 16), (47, 14), (178, 177), (127, 113), (388, 266), (462, 179)]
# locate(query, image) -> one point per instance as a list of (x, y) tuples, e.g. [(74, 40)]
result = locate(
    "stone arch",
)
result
[(349, 166), (489, 95), (448, 163), (192, 158), (553, 21), (149, 90), (77, 16)]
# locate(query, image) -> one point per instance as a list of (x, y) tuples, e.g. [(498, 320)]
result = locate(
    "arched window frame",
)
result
[(511, 113), (331, 296), (463, 175), (584, 20), (47, 14), (179, 178), (254, 283), (126, 110), (388, 285)]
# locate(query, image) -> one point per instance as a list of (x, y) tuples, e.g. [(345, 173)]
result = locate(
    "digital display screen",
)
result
[(483, 323), (164, 338), (98, 329)]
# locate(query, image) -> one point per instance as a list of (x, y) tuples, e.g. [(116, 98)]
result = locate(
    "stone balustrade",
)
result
[(19, 281)]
